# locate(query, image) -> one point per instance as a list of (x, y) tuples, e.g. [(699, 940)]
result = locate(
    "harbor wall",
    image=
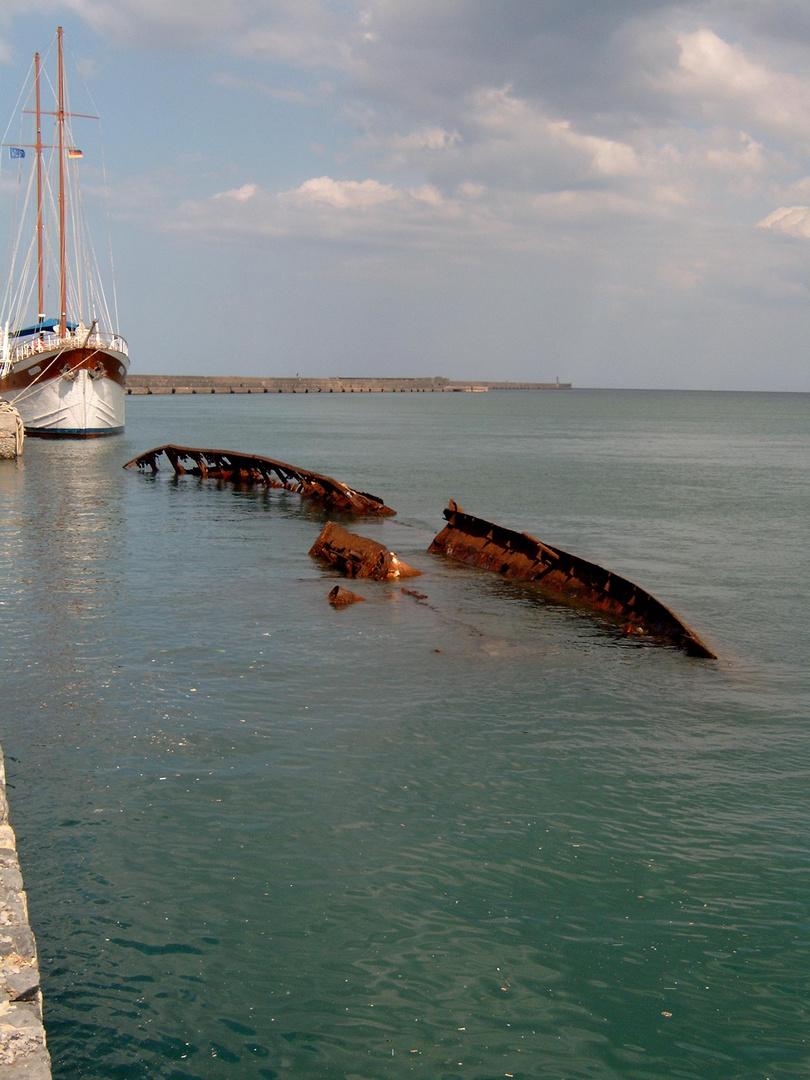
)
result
[(23, 1052), (236, 384)]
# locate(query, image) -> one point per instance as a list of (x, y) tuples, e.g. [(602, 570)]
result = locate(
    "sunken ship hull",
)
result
[(473, 540)]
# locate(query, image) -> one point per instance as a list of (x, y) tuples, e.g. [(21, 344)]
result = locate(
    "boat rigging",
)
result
[(65, 373)]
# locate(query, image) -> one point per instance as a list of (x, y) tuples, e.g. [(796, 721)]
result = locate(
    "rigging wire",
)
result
[(84, 280), (106, 189)]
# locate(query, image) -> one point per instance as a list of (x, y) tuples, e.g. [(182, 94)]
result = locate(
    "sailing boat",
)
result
[(64, 372)]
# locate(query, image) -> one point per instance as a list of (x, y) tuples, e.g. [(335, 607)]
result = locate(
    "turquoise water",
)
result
[(476, 836)]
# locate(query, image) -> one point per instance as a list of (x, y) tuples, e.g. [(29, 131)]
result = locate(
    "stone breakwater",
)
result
[(23, 1052), (236, 384)]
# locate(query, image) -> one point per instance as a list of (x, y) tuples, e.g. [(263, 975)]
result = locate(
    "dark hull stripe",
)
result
[(72, 433)]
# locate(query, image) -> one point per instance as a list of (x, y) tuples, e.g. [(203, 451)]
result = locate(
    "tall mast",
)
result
[(38, 149), (60, 121)]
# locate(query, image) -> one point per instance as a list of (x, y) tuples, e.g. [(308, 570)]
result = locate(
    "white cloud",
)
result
[(300, 32), (415, 148), (187, 23), (607, 157), (365, 213), (792, 194), (343, 194), (511, 130), (743, 155), (427, 193), (790, 220), (471, 190), (242, 194), (471, 221), (727, 85), (309, 43), (490, 163)]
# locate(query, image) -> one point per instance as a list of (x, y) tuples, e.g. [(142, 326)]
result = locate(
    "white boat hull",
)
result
[(70, 394), (85, 407)]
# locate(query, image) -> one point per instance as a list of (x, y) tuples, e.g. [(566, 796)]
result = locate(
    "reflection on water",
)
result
[(476, 836), (62, 539)]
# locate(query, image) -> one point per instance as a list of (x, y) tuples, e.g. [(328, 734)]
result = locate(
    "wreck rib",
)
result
[(518, 555), (252, 469)]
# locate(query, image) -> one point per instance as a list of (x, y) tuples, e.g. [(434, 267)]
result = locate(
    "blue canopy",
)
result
[(47, 326)]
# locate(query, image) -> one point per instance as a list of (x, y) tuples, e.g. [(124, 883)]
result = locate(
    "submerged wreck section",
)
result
[(252, 469), (340, 597), (357, 556), (518, 555)]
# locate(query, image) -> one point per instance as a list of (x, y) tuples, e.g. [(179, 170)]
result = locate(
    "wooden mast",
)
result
[(38, 151), (61, 147)]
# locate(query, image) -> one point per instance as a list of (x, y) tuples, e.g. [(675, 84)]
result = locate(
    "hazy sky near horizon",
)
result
[(612, 192)]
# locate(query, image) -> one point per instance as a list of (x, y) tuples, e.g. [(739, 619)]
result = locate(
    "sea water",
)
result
[(476, 835)]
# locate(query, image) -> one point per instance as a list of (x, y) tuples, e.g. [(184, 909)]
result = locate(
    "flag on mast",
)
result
[(16, 152), (74, 153)]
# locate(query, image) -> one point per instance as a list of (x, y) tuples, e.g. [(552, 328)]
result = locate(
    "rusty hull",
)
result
[(357, 556), (340, 597), (518, 555), (252, 469)]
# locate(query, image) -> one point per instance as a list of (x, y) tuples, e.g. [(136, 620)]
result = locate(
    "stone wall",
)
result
[(23, 1052), (238, 384)]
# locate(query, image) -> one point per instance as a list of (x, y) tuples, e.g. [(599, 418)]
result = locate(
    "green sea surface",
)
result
[(474, 836)]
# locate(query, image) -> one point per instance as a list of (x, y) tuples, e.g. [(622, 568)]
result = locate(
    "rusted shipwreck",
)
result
[(520, 556), (251, 469), (358, 556)]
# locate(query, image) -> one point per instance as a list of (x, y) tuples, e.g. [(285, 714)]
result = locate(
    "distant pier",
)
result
[(237, 384)]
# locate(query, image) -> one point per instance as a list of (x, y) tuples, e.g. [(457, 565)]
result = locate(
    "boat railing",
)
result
[(80, 340)]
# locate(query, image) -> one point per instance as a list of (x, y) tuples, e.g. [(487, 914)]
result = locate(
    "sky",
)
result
[(615, 193)]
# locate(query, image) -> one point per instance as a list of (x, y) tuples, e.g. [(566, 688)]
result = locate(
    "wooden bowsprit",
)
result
[(251, 469)]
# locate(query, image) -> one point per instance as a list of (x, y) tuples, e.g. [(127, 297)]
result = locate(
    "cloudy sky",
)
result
[(612, 192)]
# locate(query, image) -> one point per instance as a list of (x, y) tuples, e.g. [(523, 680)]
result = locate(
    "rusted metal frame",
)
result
[(149, 461), (227, 465), (520, 556), (174, 459), (359, 556)]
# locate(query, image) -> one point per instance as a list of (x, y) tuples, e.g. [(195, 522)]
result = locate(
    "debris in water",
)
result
[(519, 555), (416, 595), (357, 556), (252, 469), (340, 597)]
